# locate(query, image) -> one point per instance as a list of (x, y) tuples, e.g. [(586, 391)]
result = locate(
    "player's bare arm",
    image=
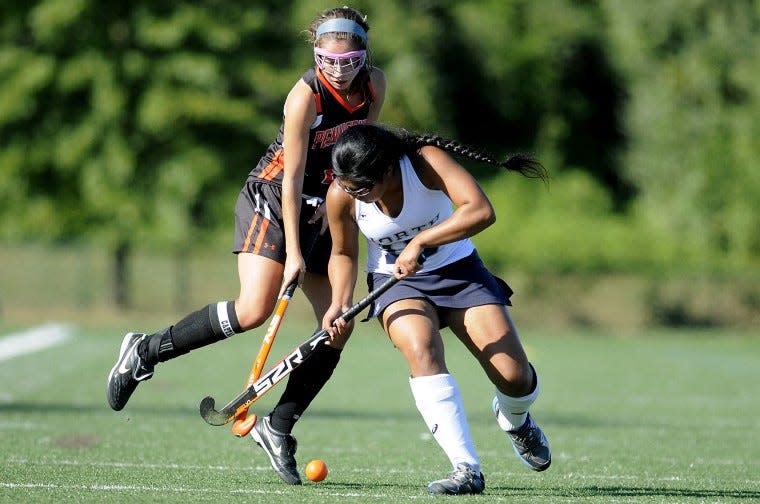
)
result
[(300, 113), (343, 266), (473, 213)]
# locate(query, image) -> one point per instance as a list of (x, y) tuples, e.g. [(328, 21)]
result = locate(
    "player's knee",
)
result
[(250, 317), (426, 363), (516, 380)]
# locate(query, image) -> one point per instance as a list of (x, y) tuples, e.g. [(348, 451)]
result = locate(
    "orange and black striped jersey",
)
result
[(334, 116)]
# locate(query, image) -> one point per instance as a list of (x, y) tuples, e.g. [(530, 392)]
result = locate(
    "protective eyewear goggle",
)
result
[(343, 63), (357, 192)]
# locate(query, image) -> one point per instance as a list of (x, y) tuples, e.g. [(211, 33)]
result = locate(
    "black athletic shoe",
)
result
[(128, 371), (280, 448), (529, 442), (462, 481)]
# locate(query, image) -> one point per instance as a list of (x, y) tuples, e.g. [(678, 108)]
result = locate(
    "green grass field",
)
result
[(667, 416)]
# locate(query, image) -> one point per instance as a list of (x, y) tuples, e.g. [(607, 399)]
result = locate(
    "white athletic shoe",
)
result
[(529, 442), (462, 481)]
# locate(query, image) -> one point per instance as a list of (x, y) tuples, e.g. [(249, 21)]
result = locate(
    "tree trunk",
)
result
[(182, 280), (121, 290)]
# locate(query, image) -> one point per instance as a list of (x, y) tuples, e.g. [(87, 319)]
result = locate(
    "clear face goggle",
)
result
[(356, 192), (340, 63)]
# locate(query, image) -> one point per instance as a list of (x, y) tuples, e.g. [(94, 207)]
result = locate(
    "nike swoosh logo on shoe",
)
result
[(122, 368), (276, 448)]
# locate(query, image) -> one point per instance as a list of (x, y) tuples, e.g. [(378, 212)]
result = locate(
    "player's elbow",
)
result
[(486, 216), (477, 216), (490, 217)]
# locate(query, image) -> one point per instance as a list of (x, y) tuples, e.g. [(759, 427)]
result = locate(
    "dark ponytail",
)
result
[(521, 163), (363, 153)]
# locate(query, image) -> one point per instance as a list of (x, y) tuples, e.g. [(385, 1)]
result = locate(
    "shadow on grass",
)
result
[(318, 412), (620, 491), (553, 419), (177, 410), (411, 487), (38, 408), (191, 410)]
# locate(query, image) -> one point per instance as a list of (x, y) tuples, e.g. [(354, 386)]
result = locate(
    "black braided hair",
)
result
[(363, 153), (521, 163)]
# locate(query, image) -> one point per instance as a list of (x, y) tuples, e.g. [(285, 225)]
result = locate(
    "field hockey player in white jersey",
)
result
[(410, 199)]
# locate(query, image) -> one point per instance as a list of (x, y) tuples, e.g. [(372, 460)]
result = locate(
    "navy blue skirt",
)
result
[(461, 284)]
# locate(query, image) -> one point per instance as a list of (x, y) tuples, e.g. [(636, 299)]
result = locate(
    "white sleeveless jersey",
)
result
[(422, 208)]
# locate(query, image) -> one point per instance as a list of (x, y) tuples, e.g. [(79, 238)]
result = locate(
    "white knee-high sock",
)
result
[(514, 410), (440, 404)]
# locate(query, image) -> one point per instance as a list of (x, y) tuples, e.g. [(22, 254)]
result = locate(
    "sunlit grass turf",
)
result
[(666, 416)]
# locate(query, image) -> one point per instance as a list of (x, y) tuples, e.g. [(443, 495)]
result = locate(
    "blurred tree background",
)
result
[(132, 126)]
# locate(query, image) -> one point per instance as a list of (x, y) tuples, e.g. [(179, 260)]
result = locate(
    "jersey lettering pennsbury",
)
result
[(327, 138), (334, 116)]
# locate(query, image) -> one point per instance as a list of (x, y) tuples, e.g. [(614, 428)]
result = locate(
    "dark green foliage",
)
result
[(137, 122)]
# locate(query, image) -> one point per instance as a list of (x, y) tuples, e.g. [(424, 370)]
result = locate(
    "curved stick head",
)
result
[(209, 414)]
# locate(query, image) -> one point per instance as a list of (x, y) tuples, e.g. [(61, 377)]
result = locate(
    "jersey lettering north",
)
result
[(422, 208), (334, 116)]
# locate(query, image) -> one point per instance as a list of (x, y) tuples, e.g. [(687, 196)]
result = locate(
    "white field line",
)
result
[(120, 488), (355, 470), (383, 497), (33, 340), (319, 492)]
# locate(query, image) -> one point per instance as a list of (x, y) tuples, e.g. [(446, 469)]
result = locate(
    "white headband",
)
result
[(342, 25)]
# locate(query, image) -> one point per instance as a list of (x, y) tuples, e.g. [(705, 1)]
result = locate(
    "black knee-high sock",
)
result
[(210, 324), (303, 386)]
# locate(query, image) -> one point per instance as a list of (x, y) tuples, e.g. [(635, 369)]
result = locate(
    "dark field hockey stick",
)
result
[(283, 368), (243, 422)]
